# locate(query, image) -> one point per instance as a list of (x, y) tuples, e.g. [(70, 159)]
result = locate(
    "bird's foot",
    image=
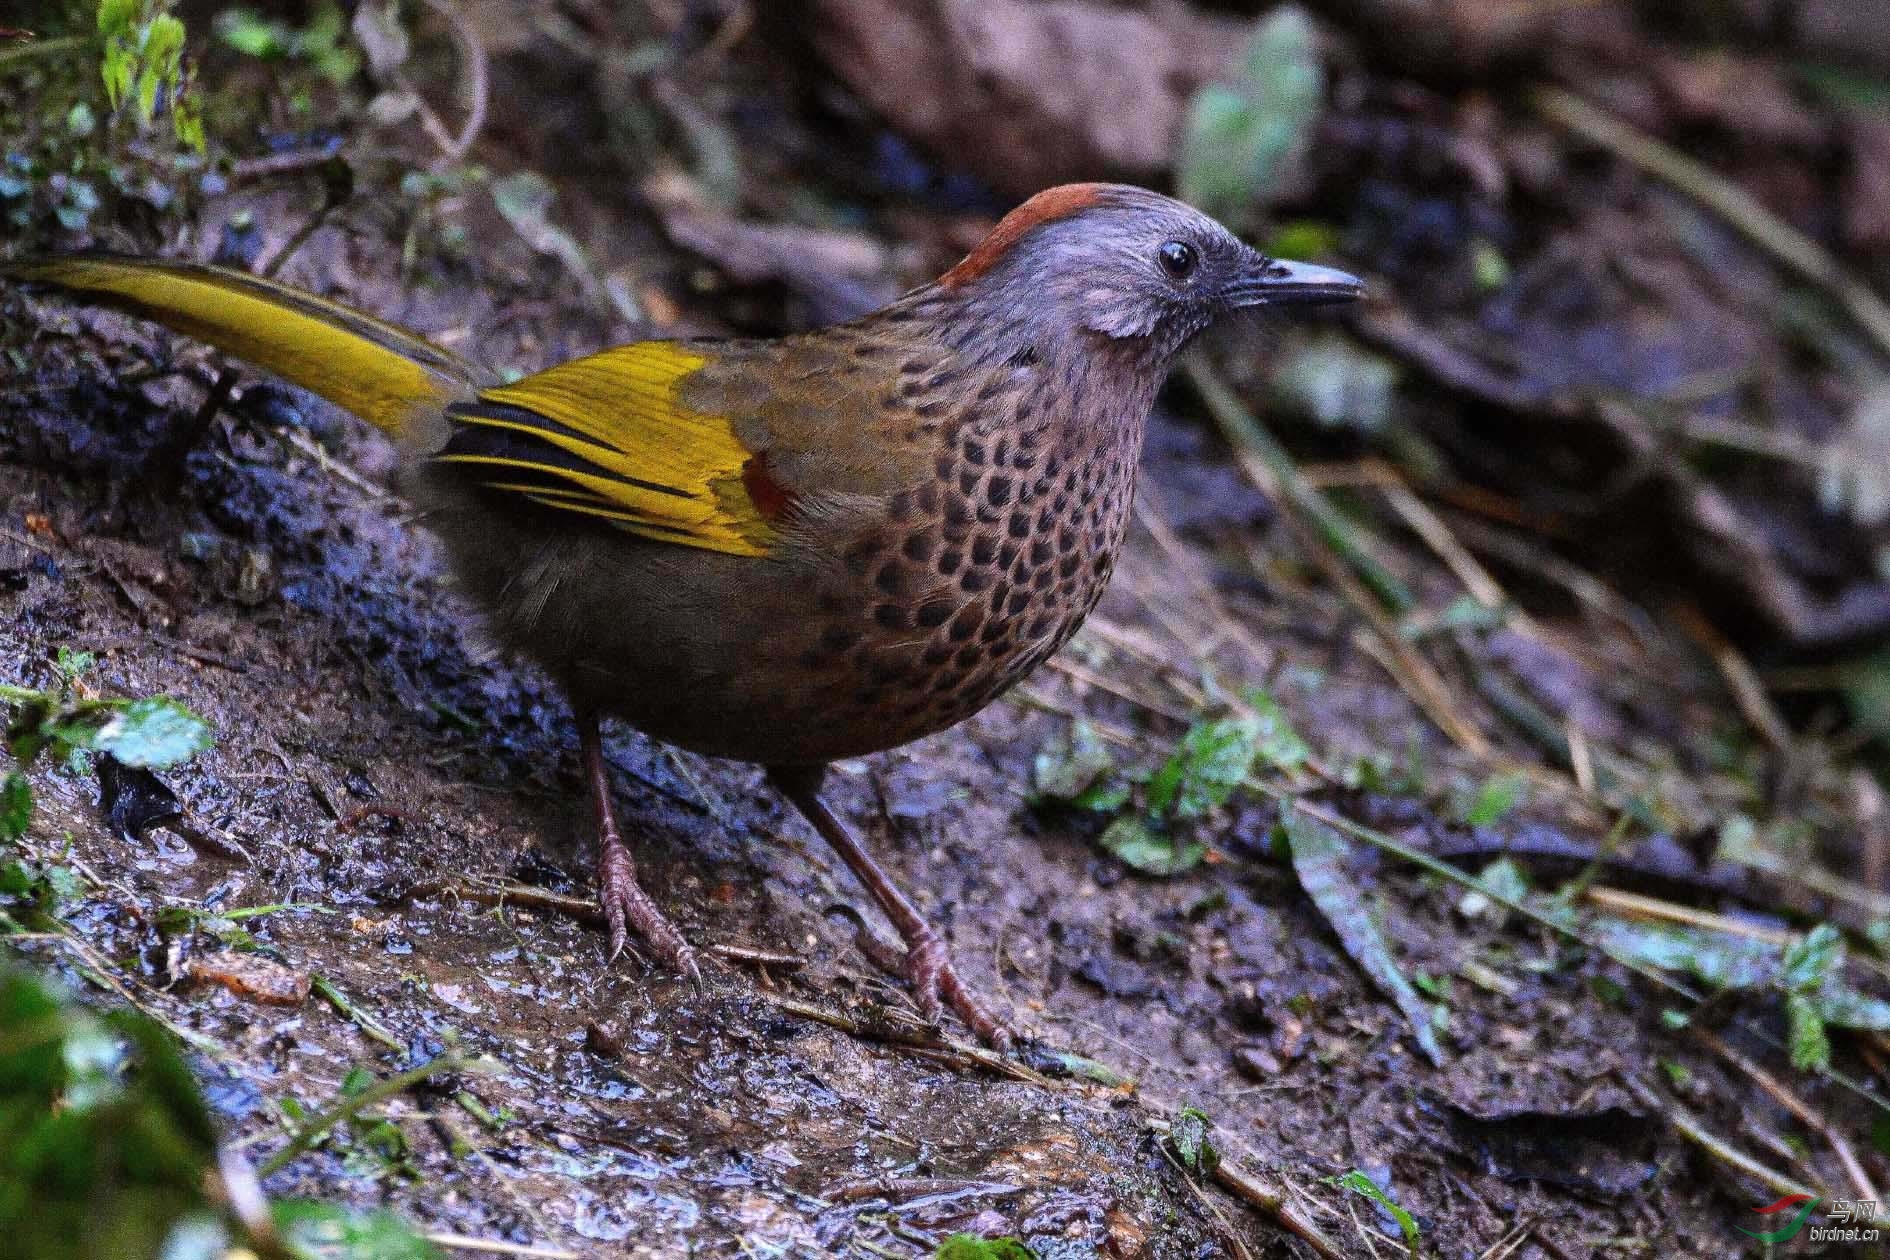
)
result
[(930, 972), (626, 905)]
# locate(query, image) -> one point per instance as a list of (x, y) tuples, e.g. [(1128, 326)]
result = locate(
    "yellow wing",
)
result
[(607, 436)]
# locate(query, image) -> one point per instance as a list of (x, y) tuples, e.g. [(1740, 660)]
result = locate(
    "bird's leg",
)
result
[(929, 967), (619, 895)]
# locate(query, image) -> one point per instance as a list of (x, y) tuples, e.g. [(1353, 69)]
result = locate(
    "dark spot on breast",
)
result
[(859, 557), (838, 638), (1018, 602), (1019, 525), (891, 577), (966, 623), (968, 481), (974, 580), (1007, 555), (984, 549), (935, 612), (998, 491), (1070, 564), (974, 452), (950, 560), (937, 654), (918, 546), (948, 680), (891, 616), (968, 656), (1042, 551), (946, 467), (1026, 357)]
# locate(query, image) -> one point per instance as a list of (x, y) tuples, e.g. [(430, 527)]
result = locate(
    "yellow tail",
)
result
[(384, 374)]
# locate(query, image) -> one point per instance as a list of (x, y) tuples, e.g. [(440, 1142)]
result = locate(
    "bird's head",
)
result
[(1130, 266)]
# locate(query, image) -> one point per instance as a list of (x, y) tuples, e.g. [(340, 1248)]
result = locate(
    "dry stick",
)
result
[(1688, 1126), (1331, 540), (493, 1246), (1641, 906), (472, 52), (1250, 1189), (1763, 228), (585, 910), (919, 1038), (1860, 1180), (1741, 679)]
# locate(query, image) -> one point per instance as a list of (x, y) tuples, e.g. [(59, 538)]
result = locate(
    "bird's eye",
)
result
[(1178, 259)]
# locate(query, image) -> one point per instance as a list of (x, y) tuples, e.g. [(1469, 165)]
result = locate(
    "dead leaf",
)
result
[(1030, 94)]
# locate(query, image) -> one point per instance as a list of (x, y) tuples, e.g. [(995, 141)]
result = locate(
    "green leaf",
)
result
[(1319, 854), (1812, 959), (1212, 759), (1810, 1044), (1358, 1183), (1239, 139), (1495, 799), (16, 805), (1189, 1134), (972, 1247), (334, 1233), (1331, 380), (153, 733), (1137, 844)]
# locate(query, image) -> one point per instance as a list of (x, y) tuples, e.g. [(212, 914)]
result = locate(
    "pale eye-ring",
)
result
[(1178, 259)]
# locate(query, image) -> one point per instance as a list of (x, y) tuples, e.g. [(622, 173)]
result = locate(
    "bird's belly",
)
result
[(810, 657)]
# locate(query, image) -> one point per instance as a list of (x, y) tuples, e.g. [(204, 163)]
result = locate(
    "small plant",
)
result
[(1200, 777), (69, 727), (143, 64), (107, 1148)]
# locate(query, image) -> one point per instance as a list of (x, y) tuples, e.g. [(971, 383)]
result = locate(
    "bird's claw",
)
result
[(932, 975), (626, 906)]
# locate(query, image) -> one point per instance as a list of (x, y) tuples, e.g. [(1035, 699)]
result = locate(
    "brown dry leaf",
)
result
[(1030, 94), (252, 976)]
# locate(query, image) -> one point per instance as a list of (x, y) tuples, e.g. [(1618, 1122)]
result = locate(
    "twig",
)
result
[(1266, 462), (918, 1037), (493, 1246), (42, 48), (472, 54), (1620, 902), (1687, 1126), (1763, 228), (1860, 1180), (349, 1011), (1741, 679)]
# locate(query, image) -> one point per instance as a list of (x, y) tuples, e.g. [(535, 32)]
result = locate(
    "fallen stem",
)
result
[(1753, 221), (354, 1104)]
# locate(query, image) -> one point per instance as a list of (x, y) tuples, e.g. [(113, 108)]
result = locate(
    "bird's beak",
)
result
[(1274, 282)]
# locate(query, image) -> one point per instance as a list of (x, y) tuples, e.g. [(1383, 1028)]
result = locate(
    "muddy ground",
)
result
[(385, 773)]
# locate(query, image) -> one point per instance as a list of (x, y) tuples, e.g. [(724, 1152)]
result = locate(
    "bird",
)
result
[(788, 551)]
